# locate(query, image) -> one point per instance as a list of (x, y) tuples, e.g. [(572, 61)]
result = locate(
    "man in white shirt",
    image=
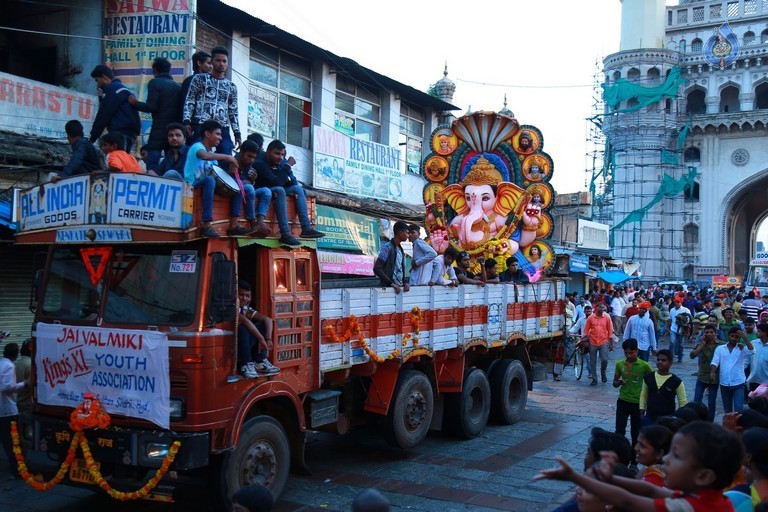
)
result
[(9, 412), (676, 334), (640, 327), (423, 254), (443, 264), (617, 308), (729, 359), (578, 328), (759, 366)]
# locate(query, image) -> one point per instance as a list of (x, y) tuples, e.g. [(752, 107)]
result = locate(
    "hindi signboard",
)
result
[(127, 370), (355, 166)]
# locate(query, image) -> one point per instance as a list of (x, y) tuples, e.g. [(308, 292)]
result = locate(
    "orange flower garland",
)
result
[(89, 414), (353, 327)]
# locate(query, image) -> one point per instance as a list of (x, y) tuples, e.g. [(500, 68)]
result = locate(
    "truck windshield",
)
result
[(758, 276), (138, 286)]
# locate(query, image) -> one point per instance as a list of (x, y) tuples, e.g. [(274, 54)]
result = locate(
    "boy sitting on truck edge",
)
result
[(248, 335), (117, 159)]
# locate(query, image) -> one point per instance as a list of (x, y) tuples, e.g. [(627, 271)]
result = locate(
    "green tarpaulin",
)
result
[(624, 90)]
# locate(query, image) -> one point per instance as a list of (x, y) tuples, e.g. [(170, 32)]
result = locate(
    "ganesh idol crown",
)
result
[(488, 192)]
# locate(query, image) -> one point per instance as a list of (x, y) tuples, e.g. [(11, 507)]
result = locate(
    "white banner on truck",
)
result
[(127, 370)]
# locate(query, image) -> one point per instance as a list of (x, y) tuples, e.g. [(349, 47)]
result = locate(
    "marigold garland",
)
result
[(353, 327), (89, 414)]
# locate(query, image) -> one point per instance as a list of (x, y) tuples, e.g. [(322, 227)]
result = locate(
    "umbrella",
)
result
[(614, 276)]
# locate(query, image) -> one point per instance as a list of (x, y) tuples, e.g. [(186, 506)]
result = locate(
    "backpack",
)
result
[(682, 319)]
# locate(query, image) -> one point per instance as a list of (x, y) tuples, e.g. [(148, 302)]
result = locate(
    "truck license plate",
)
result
[(79, 473)]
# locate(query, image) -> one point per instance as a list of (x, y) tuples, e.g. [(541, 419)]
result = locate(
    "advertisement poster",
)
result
[(262, 111), (341, 263), (36, 108), (127, 370), (726, 281), (413, 156), (145, 200), (344, 124), (53, 204), (357, 167), (347, 231), (137, 32)]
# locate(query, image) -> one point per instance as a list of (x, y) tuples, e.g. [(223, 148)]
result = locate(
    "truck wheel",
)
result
[(262, 456), (509, 388), (410, 413), (467, 412)]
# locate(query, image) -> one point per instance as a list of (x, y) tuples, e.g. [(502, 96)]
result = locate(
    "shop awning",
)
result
[(613, 276)]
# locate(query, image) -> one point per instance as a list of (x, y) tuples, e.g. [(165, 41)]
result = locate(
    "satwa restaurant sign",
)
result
[(127, 370)]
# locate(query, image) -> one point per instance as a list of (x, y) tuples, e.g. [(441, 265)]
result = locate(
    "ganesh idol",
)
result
[(483, 201)]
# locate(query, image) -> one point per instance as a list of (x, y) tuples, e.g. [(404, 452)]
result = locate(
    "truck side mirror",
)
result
[(222, 298), (34, 291)]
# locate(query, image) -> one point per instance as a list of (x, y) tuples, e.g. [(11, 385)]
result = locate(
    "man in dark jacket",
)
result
[(390, 265), (84, 158), (115, 113), (163, 103)]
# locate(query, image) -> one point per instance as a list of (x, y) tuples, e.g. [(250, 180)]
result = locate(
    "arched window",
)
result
[(696, 103), (761, 95), (749, 38), (682, 47), (633, 75), (692, 193), (764, 36), (616, 75), (696, 45), (729, 99), (653, 75), (668, 106), (692, 155), (688, 272), (632, 102), (691, 234)]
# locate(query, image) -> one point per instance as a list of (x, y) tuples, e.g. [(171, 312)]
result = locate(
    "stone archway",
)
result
[(744, 208)]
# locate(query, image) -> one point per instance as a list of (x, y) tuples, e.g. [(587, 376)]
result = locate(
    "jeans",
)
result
[(698, 394), (209, 187), (173, 174), (628, 411), (263, 195), (245, 343), (733, 397), (676, 344), (153, 159), (280, 207), (644, 354), (593, 351)]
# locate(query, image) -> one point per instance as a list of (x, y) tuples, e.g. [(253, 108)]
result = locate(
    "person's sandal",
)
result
[(209, 232)]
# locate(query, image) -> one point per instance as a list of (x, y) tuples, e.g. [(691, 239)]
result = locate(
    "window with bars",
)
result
[(733, 9), (696, 45), (698, 14), (358, 110), (411, 136), (750, 6), (715, 11), (682, 16), (279, 96)]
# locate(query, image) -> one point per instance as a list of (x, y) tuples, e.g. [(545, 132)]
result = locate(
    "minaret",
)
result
[(636, 139), (642, 24), (506, 111), (444, 88)]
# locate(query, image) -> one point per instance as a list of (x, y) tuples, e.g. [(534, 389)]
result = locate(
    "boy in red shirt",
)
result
[(702, 460)]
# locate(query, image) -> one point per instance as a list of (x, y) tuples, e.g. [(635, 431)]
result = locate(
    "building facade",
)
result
[(690, 170)]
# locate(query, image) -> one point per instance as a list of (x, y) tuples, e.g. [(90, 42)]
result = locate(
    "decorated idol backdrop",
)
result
[(488, 191)]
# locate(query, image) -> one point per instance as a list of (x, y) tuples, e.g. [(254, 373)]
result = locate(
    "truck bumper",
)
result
[(140, 448)]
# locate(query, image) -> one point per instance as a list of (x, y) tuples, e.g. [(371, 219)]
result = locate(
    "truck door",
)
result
[(294, 281)]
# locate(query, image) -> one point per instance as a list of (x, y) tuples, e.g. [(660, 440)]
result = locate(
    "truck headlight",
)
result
[(177, 409), (157, 450)]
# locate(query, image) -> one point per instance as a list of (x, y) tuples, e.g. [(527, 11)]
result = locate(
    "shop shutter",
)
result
[(16, 273)]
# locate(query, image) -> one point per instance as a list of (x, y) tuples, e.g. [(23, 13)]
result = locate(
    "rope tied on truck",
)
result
[(88, 415)]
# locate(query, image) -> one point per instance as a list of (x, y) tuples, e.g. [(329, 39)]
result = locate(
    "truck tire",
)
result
[(467, 412), (509, 390), (262, 456), (410, 413)]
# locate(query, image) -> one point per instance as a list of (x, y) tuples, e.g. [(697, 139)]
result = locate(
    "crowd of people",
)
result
[(192, 128), (676, 457)]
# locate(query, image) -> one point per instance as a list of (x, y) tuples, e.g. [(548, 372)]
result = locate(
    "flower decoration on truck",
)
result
[(493, 200), (88, 415)]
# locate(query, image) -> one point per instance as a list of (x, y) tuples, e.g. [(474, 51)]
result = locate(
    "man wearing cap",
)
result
[(676, 333), (640, 327)]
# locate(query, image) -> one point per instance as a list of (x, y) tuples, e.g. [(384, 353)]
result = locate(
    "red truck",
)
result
[(140, 311)]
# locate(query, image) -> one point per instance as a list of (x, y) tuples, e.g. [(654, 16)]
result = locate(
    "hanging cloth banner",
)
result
[(624, 90), (723, 47)]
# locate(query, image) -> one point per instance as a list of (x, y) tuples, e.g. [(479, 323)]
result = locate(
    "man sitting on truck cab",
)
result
[(196, 173), (275, 174), (256, 199), (249, 334)]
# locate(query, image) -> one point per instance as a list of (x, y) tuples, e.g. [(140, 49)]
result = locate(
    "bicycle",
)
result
[(573, 350)]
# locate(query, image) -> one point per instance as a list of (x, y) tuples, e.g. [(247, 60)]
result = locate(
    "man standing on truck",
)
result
[(390, 264), (598, 330), (423, 254)]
